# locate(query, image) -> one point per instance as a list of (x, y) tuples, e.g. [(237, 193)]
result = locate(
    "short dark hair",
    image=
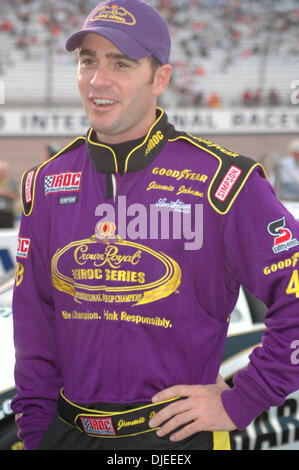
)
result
[(155, 63)]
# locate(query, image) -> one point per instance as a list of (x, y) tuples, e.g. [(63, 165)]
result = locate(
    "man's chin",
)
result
[(106, 133)]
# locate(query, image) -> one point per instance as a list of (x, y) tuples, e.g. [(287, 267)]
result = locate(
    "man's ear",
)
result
[(161, 79)]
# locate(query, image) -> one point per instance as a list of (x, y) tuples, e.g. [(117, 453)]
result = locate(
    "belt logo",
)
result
[(97, 425)]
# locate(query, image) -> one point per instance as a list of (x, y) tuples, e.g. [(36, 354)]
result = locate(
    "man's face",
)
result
[(118, 94)]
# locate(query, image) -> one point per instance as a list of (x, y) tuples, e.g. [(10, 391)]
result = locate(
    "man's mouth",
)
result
[(103, 102)]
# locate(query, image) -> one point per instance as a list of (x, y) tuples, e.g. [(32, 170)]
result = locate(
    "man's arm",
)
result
[(37, 374), (259, 233)]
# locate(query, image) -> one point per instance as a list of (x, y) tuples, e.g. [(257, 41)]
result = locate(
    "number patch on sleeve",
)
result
[(293, 286)]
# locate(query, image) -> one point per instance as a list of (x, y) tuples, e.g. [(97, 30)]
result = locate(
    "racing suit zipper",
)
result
[(114, 185), (109, 186)]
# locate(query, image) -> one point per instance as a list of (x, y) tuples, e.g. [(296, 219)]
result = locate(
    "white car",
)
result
[(276, 429)]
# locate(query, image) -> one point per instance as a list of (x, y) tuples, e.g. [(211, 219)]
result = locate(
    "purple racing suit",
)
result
[(125, 284)]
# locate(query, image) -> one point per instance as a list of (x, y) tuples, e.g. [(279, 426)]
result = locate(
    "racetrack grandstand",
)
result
[(224, 52), (235, 74)]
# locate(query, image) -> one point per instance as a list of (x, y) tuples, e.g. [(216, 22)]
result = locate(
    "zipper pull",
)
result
[(109, 187)]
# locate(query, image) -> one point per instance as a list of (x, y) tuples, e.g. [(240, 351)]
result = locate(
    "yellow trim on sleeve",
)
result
[(233, 199), (219, 167)]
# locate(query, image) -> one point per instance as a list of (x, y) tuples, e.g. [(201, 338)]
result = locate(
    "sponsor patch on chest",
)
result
[(62, 182)]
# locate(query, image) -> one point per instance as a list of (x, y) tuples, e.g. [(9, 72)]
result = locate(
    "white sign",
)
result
[(2, 92), (59, 122), (237, 120), (39, 122)]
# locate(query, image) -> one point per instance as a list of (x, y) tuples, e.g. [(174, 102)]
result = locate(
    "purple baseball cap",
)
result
[(133, 26)]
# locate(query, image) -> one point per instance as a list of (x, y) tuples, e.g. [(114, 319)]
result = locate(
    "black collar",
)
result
[(104, 158)]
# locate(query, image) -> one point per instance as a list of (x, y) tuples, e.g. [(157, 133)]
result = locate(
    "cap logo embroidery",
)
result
[(115, 14)]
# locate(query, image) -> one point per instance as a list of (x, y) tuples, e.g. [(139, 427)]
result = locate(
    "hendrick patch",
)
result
[(283, 238)]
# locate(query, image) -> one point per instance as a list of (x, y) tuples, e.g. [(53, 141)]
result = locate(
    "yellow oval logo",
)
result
[(122, 272), (116, 14)]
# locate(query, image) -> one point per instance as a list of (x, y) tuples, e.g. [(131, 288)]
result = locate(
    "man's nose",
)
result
[(101, 77)]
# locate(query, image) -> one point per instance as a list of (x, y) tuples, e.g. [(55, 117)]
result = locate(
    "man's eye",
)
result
[(87, 62), (122, 65)]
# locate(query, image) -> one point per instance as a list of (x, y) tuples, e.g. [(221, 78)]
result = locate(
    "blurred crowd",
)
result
[(209, 37), (285, 173)]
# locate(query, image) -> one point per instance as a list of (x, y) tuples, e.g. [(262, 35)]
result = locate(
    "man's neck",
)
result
[(141, 129), (123, 149)]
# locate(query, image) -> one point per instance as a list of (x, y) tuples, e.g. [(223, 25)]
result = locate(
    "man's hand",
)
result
[(201, 410)]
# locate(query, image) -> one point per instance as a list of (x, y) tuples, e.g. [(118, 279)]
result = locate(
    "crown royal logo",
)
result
[(117, 273), (105, 230), (115, 14)]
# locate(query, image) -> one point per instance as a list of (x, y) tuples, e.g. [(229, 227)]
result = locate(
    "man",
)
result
[(127, 317)]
